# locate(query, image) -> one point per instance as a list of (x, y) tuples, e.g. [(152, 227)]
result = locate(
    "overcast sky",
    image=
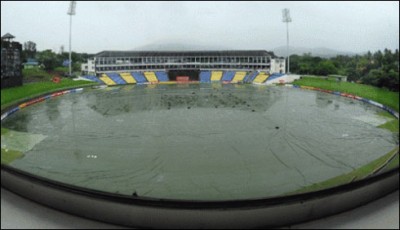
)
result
[(344, 26)]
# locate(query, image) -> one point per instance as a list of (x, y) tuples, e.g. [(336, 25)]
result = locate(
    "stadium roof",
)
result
[(184, 53)]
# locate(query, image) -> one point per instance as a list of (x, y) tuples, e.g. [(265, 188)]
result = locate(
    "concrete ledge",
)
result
[(152, 213)]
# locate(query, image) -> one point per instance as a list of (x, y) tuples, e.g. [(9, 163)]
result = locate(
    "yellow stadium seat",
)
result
[(261, 78), (107, 80), (239, 76), (128, 78), (151, 76), (216, 75)]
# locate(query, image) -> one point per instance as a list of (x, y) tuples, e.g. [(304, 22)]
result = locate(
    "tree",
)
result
[(373, 77), (48, 59), (378, 59), (379, 69), (326, 67), (30, 49), (391, 80), (294, 63)]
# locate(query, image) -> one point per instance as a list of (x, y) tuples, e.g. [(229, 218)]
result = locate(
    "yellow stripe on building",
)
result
[(261, 78), (216, 75), (151, 76), (239, 76), (106, 79), (128, 78)]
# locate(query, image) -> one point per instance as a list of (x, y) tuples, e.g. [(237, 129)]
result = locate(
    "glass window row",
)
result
[(150, 67), (145, 60)]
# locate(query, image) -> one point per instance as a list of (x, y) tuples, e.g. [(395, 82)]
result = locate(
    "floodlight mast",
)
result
[(71, 11), (287, 19)]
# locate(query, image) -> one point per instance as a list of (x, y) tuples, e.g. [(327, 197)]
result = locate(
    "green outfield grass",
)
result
[(382, 96), (16, 94), (392, 125), (8, 156), (4, 131)]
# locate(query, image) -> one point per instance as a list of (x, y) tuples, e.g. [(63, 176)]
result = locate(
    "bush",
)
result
[(35, 74)]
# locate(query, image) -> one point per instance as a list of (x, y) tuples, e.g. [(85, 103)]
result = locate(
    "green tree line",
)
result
[(50, 60), (379, 69)]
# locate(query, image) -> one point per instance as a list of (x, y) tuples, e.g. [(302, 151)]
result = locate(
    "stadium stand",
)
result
[(107, 80), (150, 76), (228, 76), (250, 77), (205, 76), (139, 77), (274, 76), (216, 75), (261, 78), (128, 78), (162, 76), (239, 76), (93, 78), (116, 78)]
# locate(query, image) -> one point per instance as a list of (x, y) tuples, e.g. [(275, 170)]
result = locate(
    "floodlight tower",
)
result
[(286, 18), (71, 11)]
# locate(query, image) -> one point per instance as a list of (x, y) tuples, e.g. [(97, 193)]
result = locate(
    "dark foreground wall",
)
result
[(138, 212), (11, 72), (11, 82)]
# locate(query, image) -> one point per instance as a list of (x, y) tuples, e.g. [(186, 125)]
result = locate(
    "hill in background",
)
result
[(279, 51)]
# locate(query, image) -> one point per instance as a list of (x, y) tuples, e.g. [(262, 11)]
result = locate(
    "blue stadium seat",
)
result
[(250, 77), (139, 77), (274, 76), (116, 78), (93, 78), (228, 75), (205, 76), (162, 76)]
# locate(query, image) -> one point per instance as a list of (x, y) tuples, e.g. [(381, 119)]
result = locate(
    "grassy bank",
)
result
[(35, 74), (8, 156), (382, 96), (15, 94)]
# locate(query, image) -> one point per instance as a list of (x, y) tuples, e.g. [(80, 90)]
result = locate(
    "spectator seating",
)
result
[(162, 76), (107, 80), (93, 78), (239, 76), (205, 76), (128, 78), (228, 76), (151, 76), (216, 75), (261, 78), (139, 77), (116, 78)]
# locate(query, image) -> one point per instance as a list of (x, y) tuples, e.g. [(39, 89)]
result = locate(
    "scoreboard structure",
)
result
[(11, 63)]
